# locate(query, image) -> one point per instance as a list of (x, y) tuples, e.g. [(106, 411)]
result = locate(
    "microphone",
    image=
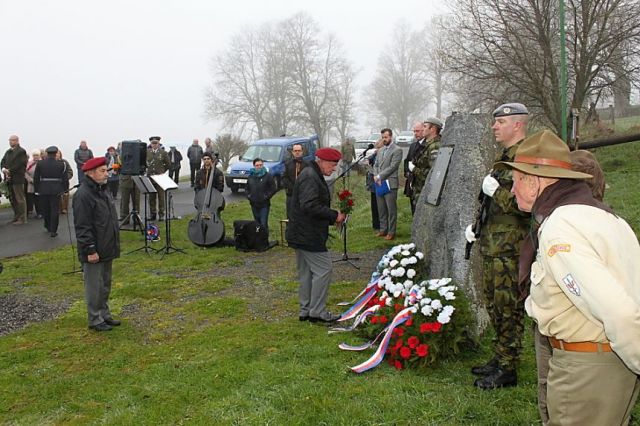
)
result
[(368, 148)]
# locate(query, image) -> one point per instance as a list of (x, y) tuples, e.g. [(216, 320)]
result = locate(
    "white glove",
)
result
[(469, 234), (411, 166), (490, 185)]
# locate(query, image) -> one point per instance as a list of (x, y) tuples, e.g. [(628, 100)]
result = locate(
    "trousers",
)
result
[(388, 211), (97, 287), (314, 273), (153, 197), (50, 211)]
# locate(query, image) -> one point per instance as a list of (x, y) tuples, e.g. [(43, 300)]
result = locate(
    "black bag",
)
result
[(249, 235)]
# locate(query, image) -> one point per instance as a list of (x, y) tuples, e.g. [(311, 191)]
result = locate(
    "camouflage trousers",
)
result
[(506, 311)]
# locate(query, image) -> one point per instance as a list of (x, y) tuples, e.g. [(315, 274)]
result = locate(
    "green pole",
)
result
[(563, 74)]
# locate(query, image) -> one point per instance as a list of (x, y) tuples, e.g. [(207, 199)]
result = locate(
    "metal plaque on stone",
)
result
[(438, 175)]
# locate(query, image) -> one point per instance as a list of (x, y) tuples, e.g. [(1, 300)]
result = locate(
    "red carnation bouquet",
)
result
[(346, 201)]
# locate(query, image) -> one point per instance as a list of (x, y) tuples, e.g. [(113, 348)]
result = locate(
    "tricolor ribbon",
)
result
[(359, 319), (357, 307), (374, 281), (377, 357), (367, 345)]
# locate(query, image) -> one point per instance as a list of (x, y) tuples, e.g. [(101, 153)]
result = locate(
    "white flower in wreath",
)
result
[(393, 263), (405, 253), (419, 255), (449, 296), (388, 301), (397, 294), (411, 273), (436, 304), (425, 301), (446, 289), (411, 246), (426, 310), (443, 318), (400, 271), (404, 261), (412, 260), (444, 281), (408, 284), (448, 310)]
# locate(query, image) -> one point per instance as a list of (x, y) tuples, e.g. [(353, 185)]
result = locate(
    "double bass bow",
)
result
[(207, 228)]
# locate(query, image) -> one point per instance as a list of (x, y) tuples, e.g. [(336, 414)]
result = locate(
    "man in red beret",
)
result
[(307, 233), (98, 238)]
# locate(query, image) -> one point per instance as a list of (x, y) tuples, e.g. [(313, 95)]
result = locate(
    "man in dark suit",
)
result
[(50, 181), (385, 173)]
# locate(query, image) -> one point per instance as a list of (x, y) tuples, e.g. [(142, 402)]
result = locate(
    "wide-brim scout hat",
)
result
[(543, 154)]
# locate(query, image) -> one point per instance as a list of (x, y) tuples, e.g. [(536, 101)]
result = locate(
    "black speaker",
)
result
[(133, 157), (249, 235)]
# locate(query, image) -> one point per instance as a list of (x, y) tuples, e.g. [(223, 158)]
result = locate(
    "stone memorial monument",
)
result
[(438, 230)]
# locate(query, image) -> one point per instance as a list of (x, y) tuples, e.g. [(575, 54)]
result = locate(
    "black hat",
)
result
[(51, 150), (154, 138)]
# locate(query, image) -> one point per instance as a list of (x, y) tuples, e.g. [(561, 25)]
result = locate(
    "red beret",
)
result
[(329, 154), (94, 163)]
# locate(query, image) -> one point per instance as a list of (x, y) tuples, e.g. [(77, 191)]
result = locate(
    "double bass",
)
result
[(207, 228)]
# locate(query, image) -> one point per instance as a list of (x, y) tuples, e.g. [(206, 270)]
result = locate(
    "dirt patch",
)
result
[(17, 311)]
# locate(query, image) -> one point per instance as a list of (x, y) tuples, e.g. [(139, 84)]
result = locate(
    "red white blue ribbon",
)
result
[(357, 307), (367, 345), (373, 282), (378, 356), (359, 319)]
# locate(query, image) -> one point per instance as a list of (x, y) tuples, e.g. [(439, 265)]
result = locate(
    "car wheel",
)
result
[(234, 189)]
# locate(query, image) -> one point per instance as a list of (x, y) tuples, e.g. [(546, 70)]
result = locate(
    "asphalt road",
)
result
[(31, 237)]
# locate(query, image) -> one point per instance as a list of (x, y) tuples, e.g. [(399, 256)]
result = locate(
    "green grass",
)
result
[(212, 337)]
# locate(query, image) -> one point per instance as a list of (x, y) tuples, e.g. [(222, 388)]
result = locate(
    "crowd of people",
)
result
[(551, 249)]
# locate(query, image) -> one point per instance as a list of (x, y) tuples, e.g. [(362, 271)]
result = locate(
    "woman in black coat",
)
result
[(260, 188)]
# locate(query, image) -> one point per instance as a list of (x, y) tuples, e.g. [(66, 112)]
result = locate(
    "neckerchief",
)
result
[(561, 193)]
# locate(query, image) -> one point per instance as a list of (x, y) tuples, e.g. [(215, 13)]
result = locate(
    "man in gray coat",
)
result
[(385, 175)]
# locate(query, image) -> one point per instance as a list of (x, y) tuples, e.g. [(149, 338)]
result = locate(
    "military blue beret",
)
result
[(510, 109)]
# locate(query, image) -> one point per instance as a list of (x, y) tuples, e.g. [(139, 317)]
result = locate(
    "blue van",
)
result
[(274, 152)]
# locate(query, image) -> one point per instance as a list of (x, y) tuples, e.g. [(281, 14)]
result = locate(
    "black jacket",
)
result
[(202, 179), (194, 154), (289, 175), (96, 222), (50, 177), (261, 189), (310, 215)]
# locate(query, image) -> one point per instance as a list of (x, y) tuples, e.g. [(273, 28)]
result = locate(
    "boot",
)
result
[(485, 370), (498, 379)]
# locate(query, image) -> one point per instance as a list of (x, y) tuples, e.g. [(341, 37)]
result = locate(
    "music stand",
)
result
[(144, 185), (167, 184)]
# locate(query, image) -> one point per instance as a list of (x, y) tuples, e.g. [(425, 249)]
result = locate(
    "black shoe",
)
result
[(103, 326), (303, 318), (112, 322), (54, 234), (485, 370), (327, 317), (152, 217), (498, 379)]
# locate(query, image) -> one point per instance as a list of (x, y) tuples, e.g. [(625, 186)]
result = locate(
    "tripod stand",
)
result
[(133, 217), (345, 256), (145, 187)]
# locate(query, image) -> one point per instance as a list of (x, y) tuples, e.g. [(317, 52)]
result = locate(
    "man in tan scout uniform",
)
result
[(585, 287), (502, 234)]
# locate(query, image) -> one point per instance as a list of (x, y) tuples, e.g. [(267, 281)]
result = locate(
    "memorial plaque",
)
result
[(438, 175)]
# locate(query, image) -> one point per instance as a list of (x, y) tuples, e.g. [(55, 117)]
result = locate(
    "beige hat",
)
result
[(544, 154)]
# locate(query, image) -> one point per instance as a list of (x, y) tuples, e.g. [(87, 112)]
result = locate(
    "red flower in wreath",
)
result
[(397, 364), (422, 350), (409, 322), (405, 352), (413, 341), (436, 327), (398, 331), (374, 319), (383, 319)]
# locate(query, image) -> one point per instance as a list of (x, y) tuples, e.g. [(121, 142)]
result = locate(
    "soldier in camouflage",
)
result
[(425, 156), (504, 230), (157, 164)]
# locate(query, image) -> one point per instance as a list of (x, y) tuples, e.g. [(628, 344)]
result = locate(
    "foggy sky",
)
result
[(118, 70)]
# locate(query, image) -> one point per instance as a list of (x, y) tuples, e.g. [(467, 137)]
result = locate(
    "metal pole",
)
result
[(563, 73)]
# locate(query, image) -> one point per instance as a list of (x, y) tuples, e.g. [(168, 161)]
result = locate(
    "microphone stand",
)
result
[(345, 256)]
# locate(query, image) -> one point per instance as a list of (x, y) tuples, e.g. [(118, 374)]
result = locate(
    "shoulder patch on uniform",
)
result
[(572, 284), (557, 248)]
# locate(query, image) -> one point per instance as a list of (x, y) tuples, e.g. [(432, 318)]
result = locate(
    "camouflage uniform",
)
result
[(423, 161), (500, 240), (157, 163)]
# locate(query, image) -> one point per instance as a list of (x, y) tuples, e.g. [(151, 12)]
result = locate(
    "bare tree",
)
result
[(400, 88), (228, 146), (510, 50), (436, 44), (343, 95)]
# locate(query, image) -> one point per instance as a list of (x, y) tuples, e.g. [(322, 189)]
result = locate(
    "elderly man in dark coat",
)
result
[(98, 237), (308, 231)]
